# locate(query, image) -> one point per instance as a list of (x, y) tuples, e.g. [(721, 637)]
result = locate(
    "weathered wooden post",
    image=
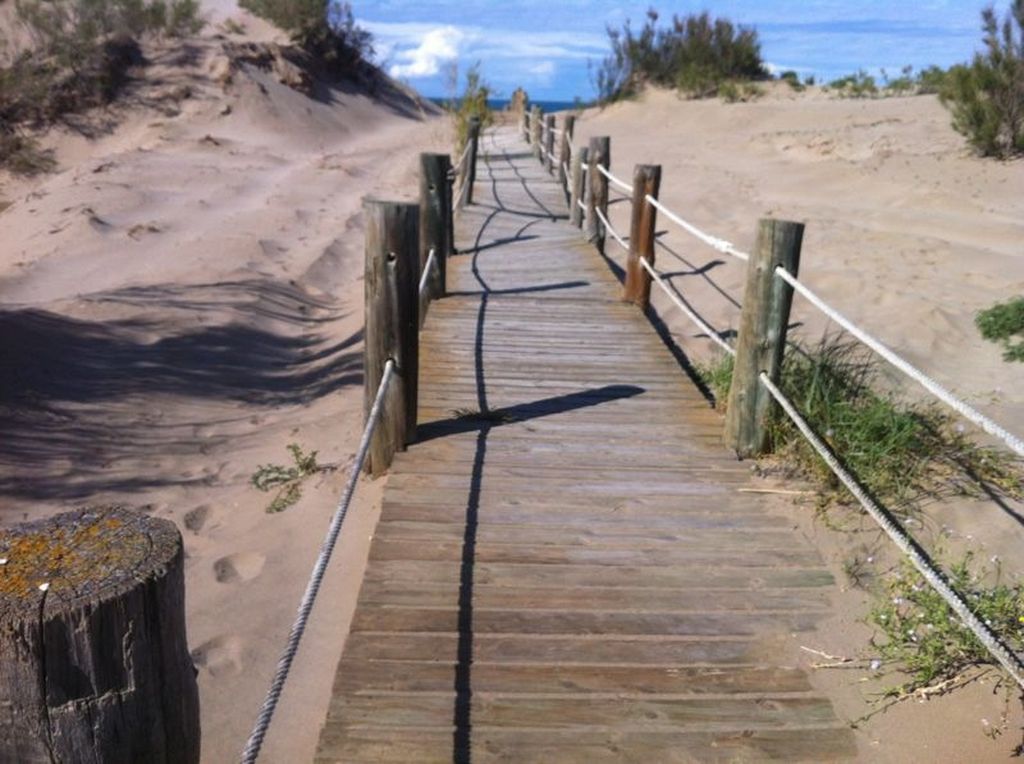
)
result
[(434, 232), (392, 324), (474, 144), (762, 335), (526, 123), (599, 155), (94, 664), (646, 182), (536, 123), (549, 142), (577, 192), (564, 147)]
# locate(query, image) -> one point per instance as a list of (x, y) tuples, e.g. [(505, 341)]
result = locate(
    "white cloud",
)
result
[(542, 69), (436, 47)]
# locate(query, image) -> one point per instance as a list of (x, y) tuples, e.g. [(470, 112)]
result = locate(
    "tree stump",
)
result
[(94, 663)]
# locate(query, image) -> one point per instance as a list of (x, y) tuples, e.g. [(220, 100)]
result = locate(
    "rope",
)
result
[(620, 183), (431, 263), (929, 384), (465, 154), (582, 206), (720, 244), (711, 333), (906, 544), (255, 742), (608, 227), (565, 170)]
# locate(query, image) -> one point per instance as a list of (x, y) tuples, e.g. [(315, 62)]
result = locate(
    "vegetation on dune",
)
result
[(471, 103), (78, 55), (902, 452), (986, 96), (1004, 323), (695, 54), (286, 480), (326, 30)]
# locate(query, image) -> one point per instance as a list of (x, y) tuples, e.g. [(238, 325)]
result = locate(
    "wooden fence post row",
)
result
[(549, 142), (646, 182), (577, 192), (435, 234), (598, 155), (474, 144), (568, 127), (536, 119), (392, 324), (761, 343)]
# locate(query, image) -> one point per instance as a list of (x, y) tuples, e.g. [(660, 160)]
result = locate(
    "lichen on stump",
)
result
[(94, 663)]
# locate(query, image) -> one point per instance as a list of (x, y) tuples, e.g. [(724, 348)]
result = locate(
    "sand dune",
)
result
[(181, 301)]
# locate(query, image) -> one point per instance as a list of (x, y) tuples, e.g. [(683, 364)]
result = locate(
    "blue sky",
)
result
[(544, 45)]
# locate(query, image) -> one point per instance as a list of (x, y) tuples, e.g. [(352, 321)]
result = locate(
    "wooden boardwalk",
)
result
[(564, 570)]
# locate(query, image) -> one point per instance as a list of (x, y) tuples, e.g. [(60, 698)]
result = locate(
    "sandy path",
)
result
[(179, 304)]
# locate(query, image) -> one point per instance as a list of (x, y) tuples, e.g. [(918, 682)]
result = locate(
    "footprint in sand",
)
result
[(196, 518), (235, 568), (221, 656)]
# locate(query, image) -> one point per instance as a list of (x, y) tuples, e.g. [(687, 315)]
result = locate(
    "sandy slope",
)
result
[(181, 301), (907, 234)]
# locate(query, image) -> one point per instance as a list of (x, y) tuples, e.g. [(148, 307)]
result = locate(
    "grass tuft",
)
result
[(286, 479), (1004, 323), (922, 636)]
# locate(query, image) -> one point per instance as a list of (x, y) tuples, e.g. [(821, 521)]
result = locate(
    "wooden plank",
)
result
[(815, 744), (356, 676), (565, 568)]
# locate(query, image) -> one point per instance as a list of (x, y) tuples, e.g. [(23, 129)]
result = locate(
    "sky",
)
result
[(545, 45)]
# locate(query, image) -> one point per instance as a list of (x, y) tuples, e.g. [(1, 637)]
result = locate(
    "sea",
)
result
[(499, 104)]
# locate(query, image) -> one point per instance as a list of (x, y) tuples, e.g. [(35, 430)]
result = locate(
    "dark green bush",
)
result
[(472, 103), (1004, 323), (792, 79), (986, 96), (695, 54), (324, 29)]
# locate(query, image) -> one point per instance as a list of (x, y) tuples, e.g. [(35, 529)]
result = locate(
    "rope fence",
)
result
[(904, 542), (255, 742), (427, 268)]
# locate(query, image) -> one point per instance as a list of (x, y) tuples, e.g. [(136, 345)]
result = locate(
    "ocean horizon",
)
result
[(499, 104)]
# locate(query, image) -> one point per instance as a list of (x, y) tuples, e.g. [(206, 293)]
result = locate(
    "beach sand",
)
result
[(182, 300)]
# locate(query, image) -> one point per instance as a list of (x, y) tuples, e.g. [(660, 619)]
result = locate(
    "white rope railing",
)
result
[(565, 169), (614, 180), (929, 384), (711, 333), (255, 742), (610, 228), (581, 205), (1007, 658), (427, 267), (465, 155), (720, 244)]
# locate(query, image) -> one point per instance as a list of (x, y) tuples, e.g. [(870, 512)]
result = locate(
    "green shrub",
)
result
[(326, 30), (925, 639), (792, 79), (899, 451), (902, 85), (472, 103), (21, 155), (286, 481), (695, 54), (859, 85), (1004, 323), (986, 97), (931, 80), (77, 57)]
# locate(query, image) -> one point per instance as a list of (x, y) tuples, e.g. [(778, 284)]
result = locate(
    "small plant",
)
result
[(859, 85), (717, 375), (472, 103), (21, 155), (1004, 323), (739, 92), (287, 480), (905, 84), (926, 640), (986, 96), (792, 79), (931, 80)]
